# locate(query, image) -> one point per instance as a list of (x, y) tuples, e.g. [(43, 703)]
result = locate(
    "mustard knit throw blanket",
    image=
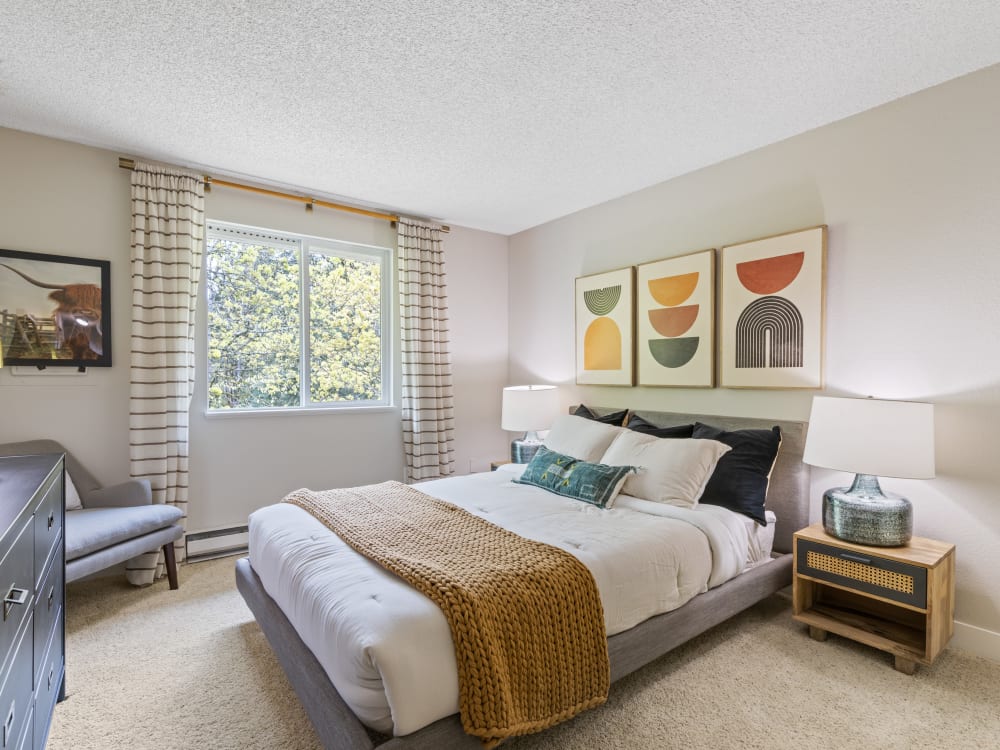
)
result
[(525, 617)]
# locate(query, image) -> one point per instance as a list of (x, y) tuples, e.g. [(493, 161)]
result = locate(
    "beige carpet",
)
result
[(153, 668)]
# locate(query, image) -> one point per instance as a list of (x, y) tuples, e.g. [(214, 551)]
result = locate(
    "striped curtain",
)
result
[(428, 410), (168, 237)]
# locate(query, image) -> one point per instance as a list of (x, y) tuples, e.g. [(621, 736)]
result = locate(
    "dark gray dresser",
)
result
[(32, 573)]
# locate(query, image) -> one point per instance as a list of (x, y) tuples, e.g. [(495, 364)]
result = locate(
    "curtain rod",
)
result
[(126, 163)]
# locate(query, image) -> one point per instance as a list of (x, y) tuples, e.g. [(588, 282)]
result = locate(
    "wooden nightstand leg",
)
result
[(906, 666), (818, 634)]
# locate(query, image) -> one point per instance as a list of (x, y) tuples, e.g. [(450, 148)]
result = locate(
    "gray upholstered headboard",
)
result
[(788, 492)]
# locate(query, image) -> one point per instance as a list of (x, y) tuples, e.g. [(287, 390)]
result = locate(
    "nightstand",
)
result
[(494, 465), (897, 599)]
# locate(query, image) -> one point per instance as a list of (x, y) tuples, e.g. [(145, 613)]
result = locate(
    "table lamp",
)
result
[(527, 409), (870, 438)]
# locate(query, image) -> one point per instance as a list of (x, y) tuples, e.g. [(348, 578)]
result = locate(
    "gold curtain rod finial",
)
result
[(310, 204)]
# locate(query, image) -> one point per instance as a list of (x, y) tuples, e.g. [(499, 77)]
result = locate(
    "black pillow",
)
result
[(739, 481), (615, 418), (639, 424)]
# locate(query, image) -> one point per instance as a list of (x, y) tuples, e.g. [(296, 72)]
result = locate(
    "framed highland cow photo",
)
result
[(54, 310)]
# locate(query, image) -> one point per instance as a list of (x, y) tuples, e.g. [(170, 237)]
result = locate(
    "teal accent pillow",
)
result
[(597, 484)]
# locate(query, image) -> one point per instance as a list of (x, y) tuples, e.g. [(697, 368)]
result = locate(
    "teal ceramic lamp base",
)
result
[(863, 514), (523, 449)]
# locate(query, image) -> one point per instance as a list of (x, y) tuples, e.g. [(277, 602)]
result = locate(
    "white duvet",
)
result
[(387, 648)]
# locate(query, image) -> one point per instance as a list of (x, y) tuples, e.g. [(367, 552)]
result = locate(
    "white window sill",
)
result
[(298, 411)]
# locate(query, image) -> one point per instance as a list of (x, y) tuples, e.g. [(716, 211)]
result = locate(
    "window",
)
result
[(295, 321)]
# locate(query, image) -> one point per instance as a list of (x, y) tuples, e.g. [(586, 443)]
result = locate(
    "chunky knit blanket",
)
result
[(525, 617)]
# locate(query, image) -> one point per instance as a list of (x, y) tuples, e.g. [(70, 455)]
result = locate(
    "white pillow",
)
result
[(580, 438), (671, 470), (72, 496)]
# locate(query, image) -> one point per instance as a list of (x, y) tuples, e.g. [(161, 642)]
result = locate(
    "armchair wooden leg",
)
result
[(171, 561)]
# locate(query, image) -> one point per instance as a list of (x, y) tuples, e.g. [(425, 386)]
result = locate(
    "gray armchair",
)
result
[(115, 524)]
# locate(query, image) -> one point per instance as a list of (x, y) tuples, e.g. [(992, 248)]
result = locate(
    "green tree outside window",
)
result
[(256, 306)]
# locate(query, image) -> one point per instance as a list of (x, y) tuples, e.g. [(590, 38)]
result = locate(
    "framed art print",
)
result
[(771, 311), (675, 321), (54, 310), (604, 328)]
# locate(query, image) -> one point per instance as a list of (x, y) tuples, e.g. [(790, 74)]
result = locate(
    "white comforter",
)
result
[(387, 648)]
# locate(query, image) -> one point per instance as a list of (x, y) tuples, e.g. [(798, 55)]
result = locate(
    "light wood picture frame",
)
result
[(605, 328), (771, 311), (675, 321)]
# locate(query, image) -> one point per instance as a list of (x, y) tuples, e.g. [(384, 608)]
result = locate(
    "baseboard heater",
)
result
[(208, 545)]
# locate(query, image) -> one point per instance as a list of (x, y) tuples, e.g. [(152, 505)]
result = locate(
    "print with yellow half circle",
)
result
[(602, 345), (770, 275), (671, 291), (673, 321)]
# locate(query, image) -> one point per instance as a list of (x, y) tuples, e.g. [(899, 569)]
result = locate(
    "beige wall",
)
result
[(477, 295), (911, 194), (57, 197), (60, 197)]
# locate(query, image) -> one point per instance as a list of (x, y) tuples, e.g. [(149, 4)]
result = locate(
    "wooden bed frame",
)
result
[(788, 497)]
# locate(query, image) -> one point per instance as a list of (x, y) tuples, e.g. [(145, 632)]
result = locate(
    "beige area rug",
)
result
[(153, 668)]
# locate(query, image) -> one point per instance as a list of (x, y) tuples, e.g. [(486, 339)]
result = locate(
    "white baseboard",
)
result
[(978, 641), (210, 544)]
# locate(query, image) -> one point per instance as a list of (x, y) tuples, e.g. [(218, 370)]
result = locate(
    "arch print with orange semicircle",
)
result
[(772, 298)]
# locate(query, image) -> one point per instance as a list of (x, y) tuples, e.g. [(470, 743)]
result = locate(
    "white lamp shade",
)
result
[(870, 436), (527, 408)]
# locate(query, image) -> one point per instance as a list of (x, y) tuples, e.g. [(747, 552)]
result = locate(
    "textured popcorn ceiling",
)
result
[(496, 115)]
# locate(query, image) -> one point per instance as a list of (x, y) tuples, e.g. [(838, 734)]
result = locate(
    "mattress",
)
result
[(387, 649)]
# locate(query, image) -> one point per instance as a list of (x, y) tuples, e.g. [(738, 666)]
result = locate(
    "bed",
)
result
[(338, 726)]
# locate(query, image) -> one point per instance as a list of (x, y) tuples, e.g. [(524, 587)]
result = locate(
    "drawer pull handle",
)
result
[(8, 724), (52, 671), (52, 597), (14, 596), (856, 558), (52, 518)]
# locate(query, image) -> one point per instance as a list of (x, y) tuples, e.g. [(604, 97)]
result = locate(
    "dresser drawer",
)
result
[(48, 524), (28, 738), (890, 579), (17, 582), (48, 606), (15, 695), (48, 686)]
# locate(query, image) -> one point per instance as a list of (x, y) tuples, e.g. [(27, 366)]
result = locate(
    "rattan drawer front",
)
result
[(898, 581)]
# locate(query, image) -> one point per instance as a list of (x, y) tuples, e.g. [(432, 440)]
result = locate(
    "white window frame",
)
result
[(304, 245)]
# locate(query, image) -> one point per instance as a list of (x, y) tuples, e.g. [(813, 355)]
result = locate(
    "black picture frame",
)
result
[(55, 310)]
